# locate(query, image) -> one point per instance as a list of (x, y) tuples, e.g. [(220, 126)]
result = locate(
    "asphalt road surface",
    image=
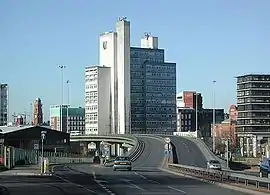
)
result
[(145, 178), (188, 152)]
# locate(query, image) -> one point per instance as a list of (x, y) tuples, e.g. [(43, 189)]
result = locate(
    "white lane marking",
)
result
[(134, 185), (176, 189), (70, 182), (99, 182), (145, 178)]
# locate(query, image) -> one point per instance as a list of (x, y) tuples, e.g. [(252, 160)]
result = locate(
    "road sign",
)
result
[(168, 152), (168, 146), (92, 146), (106, 147), (36, 146), (167, 140)]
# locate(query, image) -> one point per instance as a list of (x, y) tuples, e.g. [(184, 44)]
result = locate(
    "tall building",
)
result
[(153, 89), (97, 100), (188, 99), (73, 119), (186, 119), (115, 53), (253, 102), (3, 104), (38, 114)]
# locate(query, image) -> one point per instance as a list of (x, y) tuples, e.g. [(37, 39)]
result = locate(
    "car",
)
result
[(122, 163), (214, 164)]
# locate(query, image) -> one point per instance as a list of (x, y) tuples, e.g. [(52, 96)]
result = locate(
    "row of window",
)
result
[(91, 129), (253, 78), (71, 128), (92, 107), (253, 114), (184, 116), (182, 123), (142, 54), (152, 115), (91, 86), (253, 85), (253, 122), (250, 107), (91, 116), (253, 93), (253, 100)]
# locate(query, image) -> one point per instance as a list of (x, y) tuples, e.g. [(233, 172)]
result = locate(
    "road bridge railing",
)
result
[(254, 182)]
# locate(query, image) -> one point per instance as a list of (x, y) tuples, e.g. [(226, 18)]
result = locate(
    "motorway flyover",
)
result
[(147, 177)]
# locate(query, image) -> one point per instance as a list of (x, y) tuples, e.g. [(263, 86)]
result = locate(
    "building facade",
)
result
[(115, 53), (206, 120), (187, 99), (97, 100), (253, 102), (38, 113), (186, 119), (153, 89), (73, 119), (3, 104)]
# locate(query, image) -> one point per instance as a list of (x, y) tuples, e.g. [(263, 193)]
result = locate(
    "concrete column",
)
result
[(117, 151), (112, 150), (248, 147), (254, 146), (242, 146)]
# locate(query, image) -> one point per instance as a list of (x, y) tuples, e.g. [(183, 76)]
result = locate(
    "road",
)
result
[(188, 152), (146, 178)]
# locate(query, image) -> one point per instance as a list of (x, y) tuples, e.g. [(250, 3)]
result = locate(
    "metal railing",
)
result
[(223, 176)]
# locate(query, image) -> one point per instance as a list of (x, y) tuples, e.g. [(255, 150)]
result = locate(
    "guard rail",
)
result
[(223, 176)]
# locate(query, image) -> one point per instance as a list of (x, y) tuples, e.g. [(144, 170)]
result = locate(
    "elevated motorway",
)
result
[(147, 178)]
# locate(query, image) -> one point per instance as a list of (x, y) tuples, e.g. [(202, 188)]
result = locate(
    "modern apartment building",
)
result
[(153, 89), (73, 119), (253, 102), (97, 100), (115, 53), (3, 104)]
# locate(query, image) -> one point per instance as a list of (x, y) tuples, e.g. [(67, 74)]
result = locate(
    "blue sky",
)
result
[(209, 40)]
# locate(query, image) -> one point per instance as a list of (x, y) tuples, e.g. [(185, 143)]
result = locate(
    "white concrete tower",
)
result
[(108, 57), (123, 75)]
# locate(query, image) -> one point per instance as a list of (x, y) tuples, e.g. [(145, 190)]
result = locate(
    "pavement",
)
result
[(25, 170), (145, 178)]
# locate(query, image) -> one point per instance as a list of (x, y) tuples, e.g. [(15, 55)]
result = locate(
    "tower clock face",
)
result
[(35, 116)]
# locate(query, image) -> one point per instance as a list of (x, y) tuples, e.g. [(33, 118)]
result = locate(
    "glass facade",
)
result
[(3, 104), (253, 101), (153, 91)]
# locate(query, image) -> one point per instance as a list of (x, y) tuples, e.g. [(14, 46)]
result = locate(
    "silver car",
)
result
[(214, 164), (122, 162)]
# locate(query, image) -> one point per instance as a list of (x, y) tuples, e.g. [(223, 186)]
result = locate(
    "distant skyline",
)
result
[(209, 40)]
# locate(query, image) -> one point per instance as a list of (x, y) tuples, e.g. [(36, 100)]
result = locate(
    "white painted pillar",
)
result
[(248, 147), (254, 146), (242, 146)]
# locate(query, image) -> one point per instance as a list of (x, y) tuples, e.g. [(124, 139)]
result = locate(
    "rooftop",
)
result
[(9, 129)]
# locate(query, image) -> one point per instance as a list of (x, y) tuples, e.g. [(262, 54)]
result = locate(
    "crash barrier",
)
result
[(223, 176), (139, 148), (68, 160), (11, 156)]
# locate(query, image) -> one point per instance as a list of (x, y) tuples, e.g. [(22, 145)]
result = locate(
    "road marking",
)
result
[(134, 185), (176, 189), (70, 182), (145, 178), (100, 183)]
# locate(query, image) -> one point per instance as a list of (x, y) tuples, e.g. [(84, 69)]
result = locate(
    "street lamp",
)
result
[(62, 67), (196, 115), (43, 136), (68, 82), (214, 118)]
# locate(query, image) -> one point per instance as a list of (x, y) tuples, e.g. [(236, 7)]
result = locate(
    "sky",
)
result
[(209, 40)]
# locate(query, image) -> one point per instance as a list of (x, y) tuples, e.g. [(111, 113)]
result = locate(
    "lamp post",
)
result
[(68, 131), (196, 115), (214, 118), (62, 67), (43, 136)]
